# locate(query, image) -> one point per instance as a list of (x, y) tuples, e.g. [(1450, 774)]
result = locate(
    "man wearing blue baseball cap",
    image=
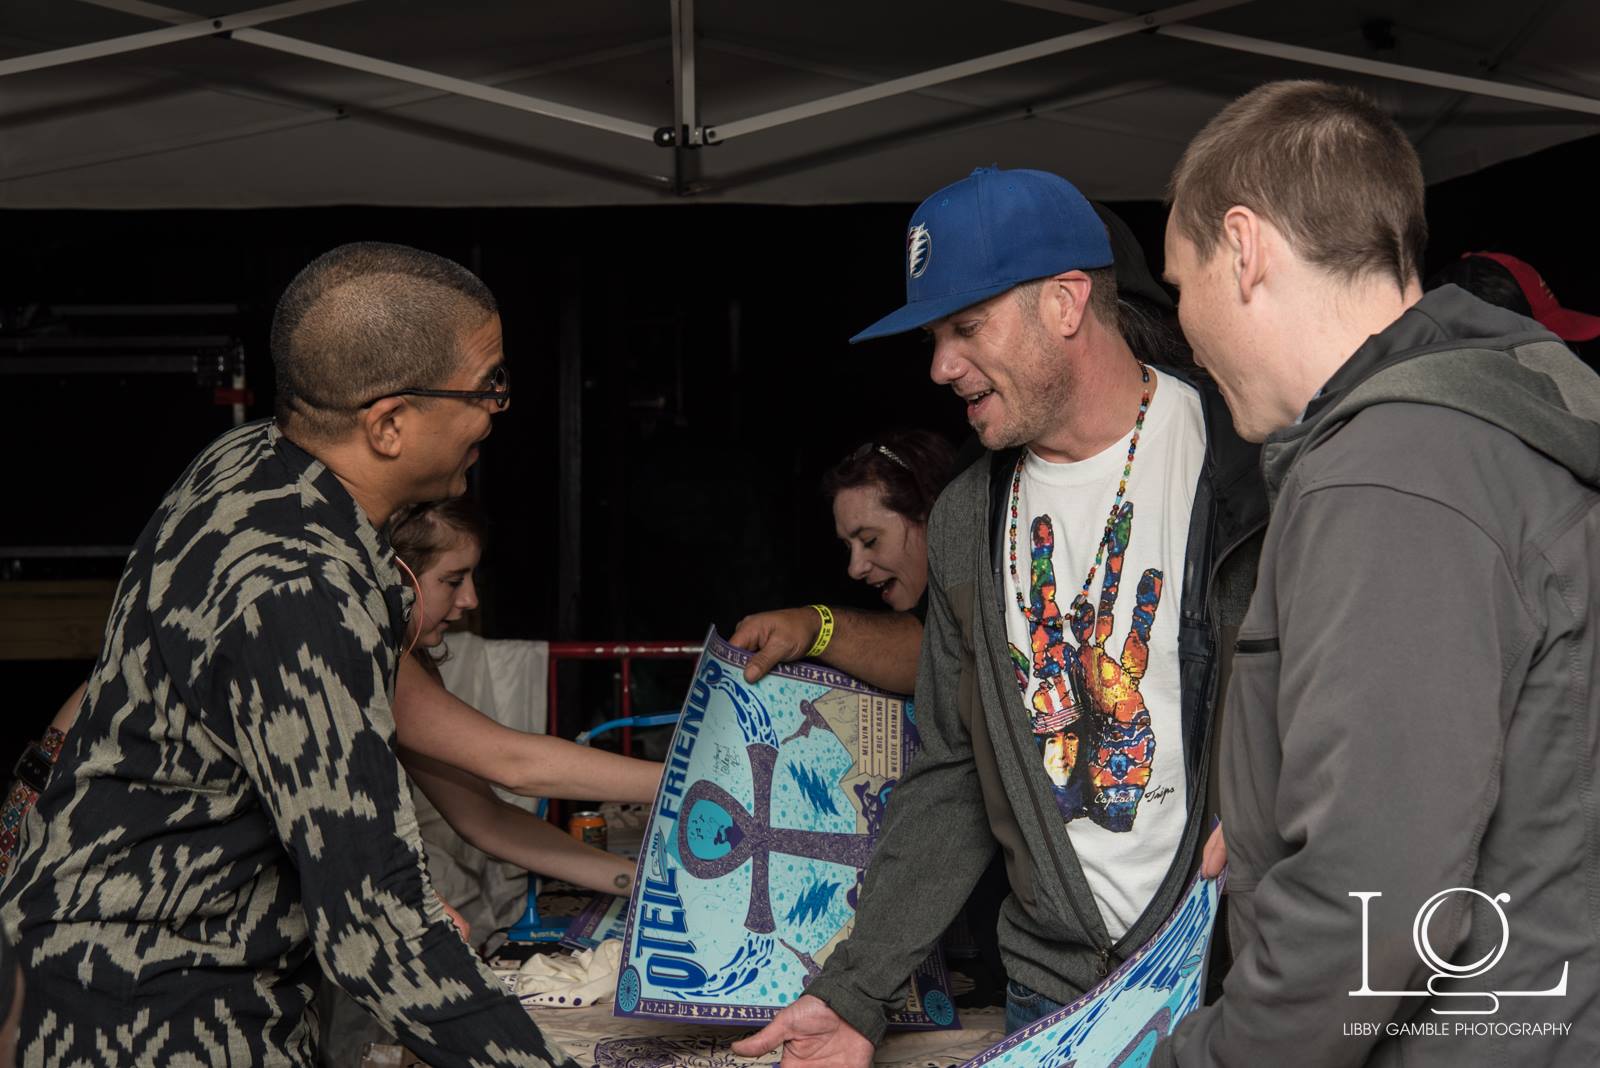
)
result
[(1059, 722)]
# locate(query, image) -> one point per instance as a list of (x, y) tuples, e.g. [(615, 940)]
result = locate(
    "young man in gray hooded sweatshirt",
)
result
[(1408, 762)]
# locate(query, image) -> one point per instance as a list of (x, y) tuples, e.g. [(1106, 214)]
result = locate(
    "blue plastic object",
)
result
[(659, 720), (533, 927)]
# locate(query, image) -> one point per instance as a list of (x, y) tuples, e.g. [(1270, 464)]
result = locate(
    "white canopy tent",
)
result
[(130, 104)]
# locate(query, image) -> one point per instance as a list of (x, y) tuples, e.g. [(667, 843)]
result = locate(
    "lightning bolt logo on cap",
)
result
[(919, 249), (997, 229)]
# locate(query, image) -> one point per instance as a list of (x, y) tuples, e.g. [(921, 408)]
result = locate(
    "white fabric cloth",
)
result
[(1124, 825), (571, 980), (508, 682)]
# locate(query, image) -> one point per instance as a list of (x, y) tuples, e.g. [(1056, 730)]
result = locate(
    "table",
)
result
[(593, 1036)]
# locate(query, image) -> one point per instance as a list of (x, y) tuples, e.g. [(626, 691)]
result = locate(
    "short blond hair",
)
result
[(1324, 164)]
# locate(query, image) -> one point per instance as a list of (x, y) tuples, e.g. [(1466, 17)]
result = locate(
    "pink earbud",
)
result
[(420, 613)]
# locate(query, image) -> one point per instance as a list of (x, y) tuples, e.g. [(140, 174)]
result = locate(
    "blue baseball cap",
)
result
[(987, 233)]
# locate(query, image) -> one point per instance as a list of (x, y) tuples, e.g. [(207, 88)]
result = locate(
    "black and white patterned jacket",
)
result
[(228, 820)]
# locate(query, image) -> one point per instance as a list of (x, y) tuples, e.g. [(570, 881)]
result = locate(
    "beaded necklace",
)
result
[(1111, 520)]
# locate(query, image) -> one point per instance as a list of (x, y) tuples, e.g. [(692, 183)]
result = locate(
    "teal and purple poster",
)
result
[(604, 917), (769, 809), (1119, 1022)]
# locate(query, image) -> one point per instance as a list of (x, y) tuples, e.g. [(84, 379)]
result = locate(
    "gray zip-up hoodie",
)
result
[(1413, 716), (976, 783)]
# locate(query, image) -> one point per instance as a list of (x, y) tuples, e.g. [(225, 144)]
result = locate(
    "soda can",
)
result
[(588, 828)]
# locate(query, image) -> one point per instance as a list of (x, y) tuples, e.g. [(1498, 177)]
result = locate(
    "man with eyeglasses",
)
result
[(227, 822)]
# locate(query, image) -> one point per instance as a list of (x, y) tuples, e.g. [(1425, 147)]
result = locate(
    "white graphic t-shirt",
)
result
[(1099, 674)]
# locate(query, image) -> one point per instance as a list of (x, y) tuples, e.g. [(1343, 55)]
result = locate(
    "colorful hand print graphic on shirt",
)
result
[(1088, 715)]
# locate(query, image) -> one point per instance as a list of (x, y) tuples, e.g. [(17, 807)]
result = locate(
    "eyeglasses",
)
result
[(499, 391)]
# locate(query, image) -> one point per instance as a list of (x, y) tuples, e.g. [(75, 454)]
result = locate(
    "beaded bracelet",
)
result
[(32, 770)]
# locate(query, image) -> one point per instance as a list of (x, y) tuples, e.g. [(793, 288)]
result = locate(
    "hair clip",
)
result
[(892, 456)]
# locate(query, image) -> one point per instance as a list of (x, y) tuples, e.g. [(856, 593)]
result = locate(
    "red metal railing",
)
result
[(626, 652)]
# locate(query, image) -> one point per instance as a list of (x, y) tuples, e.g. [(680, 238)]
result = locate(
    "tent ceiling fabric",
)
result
[(246, 121)]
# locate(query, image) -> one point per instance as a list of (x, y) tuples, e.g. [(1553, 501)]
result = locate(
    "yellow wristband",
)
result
[(825, 635)]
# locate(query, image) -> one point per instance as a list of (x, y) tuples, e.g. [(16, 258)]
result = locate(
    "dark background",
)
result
[(717, 386)]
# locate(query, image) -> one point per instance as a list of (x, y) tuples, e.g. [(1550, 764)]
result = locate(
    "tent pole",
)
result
[(686, 108), (940, 128), (967, 68), (399, 72), (1047, 110), (324, 109), (1317, 57), (382, 68), (379, 117), (134, 42), (1398, 72)]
